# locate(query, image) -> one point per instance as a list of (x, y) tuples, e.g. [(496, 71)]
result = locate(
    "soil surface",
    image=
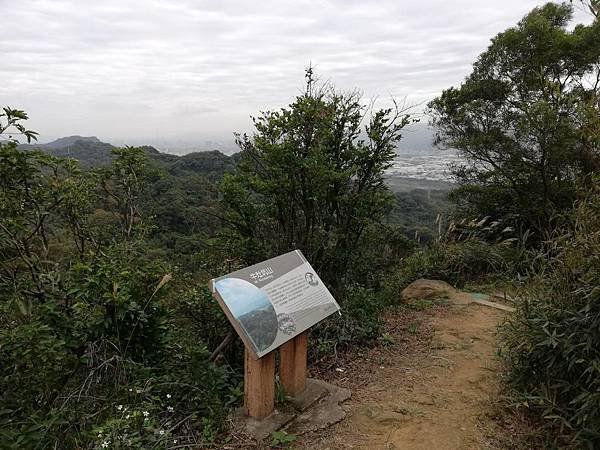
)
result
[(433, 383)]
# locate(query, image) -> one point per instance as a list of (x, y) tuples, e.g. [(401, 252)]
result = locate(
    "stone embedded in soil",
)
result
[(313, 392), (319, 407), (327, 411), (261, 429)]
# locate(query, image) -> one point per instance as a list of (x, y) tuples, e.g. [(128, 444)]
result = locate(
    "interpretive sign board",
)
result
[(271, 302)]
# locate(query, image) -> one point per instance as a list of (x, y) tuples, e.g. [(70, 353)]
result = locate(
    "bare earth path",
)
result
[(438, 396)]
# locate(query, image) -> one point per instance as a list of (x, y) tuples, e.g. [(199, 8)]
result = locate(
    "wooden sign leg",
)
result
[(259, 385), (292, 369)]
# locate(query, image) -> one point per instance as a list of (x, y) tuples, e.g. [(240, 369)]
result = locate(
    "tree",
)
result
[(39, 194), (312, 177), (123, 184), (10, 124), (526, 120)]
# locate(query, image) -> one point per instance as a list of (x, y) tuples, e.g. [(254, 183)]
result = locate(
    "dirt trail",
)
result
[(439, 396)]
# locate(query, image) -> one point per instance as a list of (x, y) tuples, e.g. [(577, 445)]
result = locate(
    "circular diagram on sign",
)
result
[(311, 279), (286, 323)]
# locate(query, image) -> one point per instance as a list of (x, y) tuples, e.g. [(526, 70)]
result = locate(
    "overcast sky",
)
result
[(160, 70)]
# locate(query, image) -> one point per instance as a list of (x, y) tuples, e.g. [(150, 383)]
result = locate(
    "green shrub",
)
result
[(67, 366), (92, 354), (204, 319), (359, 324), (471, 260), (321, 191), (552, 344)]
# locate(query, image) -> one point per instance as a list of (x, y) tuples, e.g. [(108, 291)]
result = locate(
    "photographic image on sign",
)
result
[(252, 308), (272, 302)]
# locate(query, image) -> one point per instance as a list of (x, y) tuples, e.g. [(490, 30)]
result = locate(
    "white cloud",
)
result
[(126, 69)]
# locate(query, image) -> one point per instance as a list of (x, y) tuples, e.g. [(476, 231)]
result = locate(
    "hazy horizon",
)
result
[(416, 138)]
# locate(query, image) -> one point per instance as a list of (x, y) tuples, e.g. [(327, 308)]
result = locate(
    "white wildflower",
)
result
[(168, 395), (127, 416), (174, 441), (170, 409), (161, 432), (120, 407), (146, 413)]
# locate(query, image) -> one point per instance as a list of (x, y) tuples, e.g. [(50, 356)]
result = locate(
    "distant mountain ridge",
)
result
[(67, 141), (92, 152), (89, 151)]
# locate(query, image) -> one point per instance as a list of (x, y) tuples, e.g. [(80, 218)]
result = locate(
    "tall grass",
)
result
[(473, 251), (552, 344)]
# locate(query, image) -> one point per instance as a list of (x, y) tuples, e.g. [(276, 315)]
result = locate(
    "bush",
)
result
[(360, 322), (321, 191), (312, 177), (67, 366), (201, 318), (458, 263), (92, 354), (552, 344)]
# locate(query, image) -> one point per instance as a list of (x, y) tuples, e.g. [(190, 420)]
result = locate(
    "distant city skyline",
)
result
[(179, 73)]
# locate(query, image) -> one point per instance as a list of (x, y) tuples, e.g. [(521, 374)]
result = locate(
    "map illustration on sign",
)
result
[(272, 302)]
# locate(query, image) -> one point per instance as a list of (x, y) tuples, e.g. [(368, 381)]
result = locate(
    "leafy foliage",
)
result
[(527, 121), (92, 355), (460, 258), (552, 346), (11, 124), (419, 213), (105, 339), (312, 178), (108, 339), (281, 439)]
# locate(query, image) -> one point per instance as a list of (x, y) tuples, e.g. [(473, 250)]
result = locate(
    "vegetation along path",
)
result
[(438, 394)]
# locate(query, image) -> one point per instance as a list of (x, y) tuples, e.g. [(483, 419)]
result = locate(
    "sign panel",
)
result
[(271, 302)]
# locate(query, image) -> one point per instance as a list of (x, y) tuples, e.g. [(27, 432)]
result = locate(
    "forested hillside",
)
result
[(91, 152), (183, 191)]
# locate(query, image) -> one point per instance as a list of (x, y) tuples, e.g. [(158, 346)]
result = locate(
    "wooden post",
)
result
[(292, 368), (259, 385)]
